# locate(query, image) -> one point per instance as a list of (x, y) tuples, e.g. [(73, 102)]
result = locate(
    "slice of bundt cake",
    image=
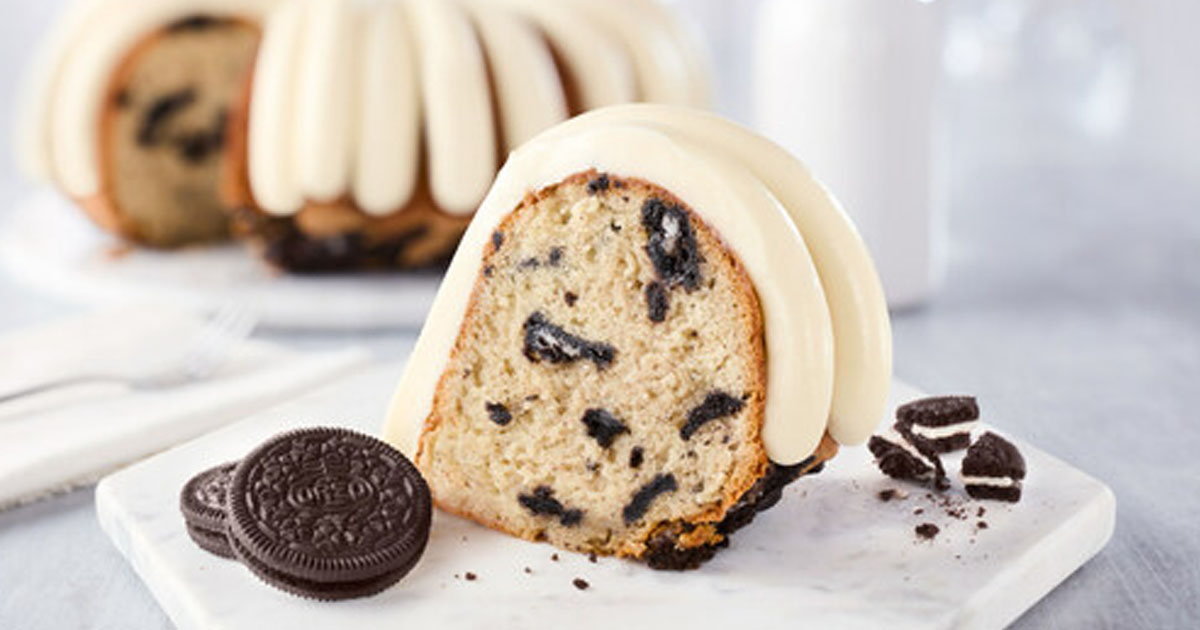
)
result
[(633, 353)]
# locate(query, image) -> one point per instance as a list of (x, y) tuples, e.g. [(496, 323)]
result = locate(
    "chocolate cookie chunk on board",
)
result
[(202, 502), (328, 514), (904, 456), (945, 421), (993, 469)]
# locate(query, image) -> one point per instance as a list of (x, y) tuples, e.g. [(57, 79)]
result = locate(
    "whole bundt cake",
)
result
[(332, 133)]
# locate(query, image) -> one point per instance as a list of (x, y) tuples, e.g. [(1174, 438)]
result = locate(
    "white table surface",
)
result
[(1072, 309)]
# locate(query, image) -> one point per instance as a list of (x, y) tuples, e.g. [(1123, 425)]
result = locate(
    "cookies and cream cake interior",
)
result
[(344, 115), (594, 200)]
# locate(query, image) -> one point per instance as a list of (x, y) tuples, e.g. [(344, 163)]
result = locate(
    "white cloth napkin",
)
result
[(61, 439)]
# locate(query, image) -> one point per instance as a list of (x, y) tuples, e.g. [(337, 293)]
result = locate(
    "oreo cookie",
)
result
[(907, 457), (202, 502), (212, 541), (328, 514), (945, 421), (993, 469)]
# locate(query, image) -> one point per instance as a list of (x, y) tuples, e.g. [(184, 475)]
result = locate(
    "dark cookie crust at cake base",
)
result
[(663, 551), (371, 244)]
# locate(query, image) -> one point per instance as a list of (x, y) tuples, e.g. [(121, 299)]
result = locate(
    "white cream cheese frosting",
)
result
[(351, 98), (389, 135), (739, 195)]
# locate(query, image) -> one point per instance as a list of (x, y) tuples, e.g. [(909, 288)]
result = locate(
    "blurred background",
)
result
[(1027, 172)]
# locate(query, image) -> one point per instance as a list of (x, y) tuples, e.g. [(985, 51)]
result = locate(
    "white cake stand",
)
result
[(48, 245)]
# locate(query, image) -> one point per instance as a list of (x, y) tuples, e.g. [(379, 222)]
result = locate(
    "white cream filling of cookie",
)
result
[(695, 157), (937, 433), (899, 440), (995, 482)]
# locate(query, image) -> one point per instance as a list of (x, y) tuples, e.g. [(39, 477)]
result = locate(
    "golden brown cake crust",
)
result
[(679, 543)]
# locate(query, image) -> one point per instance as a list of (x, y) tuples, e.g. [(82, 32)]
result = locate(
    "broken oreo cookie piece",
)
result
[(672, 245), (546, 341), (945, 421), (640, 504), (603, 426), (657, 302), (993, 469), (901, 455), (499, 413), (716, 405), (543, 503)]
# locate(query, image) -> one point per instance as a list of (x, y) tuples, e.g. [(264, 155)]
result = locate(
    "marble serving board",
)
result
[(48, 245), (831, 554)]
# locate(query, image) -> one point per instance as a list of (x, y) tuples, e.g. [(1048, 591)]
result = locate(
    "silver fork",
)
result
[(205, 354)]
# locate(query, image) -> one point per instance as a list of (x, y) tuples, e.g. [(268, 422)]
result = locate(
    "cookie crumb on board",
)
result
[(928, 531)]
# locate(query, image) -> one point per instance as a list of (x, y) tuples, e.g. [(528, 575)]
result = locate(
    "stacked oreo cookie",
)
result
[(927, 428), (325, 514), (203, 505)]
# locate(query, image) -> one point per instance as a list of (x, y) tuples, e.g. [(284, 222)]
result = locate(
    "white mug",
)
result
[(851, 87)]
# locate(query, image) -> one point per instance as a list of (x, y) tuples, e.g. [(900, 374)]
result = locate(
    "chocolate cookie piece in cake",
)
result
[(901, 455), (542, 503), (548, 342), (945, 421), (603, 426), (993, 469)]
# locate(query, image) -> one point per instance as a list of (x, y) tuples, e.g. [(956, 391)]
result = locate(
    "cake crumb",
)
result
[(528, 570), (982, 525), (554, 557), (580, 584), (592, 557), (471, 576), (919, 511), (891, 494), (927, 531)]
